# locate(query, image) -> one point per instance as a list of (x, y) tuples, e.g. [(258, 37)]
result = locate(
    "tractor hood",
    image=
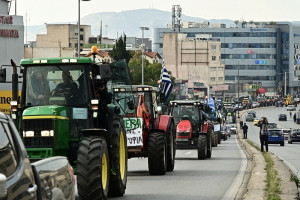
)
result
[(184, 125), (60, 112)]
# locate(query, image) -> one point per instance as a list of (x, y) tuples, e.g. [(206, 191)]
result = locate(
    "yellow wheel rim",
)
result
[(104, 171), (122, 155)]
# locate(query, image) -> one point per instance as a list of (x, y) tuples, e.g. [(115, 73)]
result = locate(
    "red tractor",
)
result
[(194, 130), (149, 133)]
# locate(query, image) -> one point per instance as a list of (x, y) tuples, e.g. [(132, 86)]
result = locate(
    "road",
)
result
[(290, 152), (214, 178)]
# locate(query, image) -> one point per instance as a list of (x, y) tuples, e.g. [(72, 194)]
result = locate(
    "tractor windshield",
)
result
[(191, 111), (58, 85)]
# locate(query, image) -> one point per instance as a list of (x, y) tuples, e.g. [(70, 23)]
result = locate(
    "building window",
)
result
[(220, 68), (213, 69), (81, 37), (212, 79), (213, 46), (81, 44), (81, 29), (70, 45), (213, 58), (161, 35), (161, 45), (220, 79)]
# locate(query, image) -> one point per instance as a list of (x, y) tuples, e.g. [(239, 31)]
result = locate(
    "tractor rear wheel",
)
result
[(171, 150), (93, 168), (157, 151), (202, 147), (214, 139), (209, 143), (118, 176)]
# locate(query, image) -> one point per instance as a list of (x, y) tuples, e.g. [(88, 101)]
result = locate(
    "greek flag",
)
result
[(211, 103), (166, 84)]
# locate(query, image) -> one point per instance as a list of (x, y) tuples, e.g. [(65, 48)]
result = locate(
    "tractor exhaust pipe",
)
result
[(14, 81)]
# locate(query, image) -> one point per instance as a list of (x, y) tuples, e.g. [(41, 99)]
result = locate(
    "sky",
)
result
[(55, 11)]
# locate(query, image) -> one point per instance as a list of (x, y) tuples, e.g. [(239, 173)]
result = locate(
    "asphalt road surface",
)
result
[(289, 153), (216, 178)]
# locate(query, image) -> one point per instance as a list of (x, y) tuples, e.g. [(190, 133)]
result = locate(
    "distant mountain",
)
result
[(128, 22)]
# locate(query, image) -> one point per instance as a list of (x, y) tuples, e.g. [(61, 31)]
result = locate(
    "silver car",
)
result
[(249, 117)]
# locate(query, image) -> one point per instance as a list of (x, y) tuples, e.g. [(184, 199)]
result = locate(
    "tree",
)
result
[(119, 51), (151, 71)]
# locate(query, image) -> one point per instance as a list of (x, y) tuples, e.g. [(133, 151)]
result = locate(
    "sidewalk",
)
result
[(256, 185)]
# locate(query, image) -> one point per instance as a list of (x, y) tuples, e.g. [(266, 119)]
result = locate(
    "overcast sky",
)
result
[(53, 11)]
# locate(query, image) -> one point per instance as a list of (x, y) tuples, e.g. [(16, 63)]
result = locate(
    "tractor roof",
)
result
[(64, 60)]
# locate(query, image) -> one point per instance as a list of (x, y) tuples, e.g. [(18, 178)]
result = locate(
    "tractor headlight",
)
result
[(28, 133), (187, 131), (47, 133)]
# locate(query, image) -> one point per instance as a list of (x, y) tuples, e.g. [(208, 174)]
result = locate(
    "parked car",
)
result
[(275, 136), (233, 129), (252, 112), (224, 134), (282, 117), (286, 133), (255, 104), (249, 117), (50, 178), (272, 125), (291, 108), (294, 136)]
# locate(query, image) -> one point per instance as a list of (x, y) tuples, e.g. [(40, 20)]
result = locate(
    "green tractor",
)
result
[(67, 109)]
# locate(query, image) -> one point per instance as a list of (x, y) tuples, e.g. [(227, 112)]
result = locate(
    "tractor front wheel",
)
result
[(202, 147), (93, 168), (157, 151), (171, 150), (118, 176)]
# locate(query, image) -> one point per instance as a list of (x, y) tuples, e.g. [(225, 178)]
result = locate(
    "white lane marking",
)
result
[(188, 152), (233, 189)]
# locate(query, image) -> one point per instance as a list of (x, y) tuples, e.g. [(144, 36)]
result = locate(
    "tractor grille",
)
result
[(38, 141), (183, 134), (38, 125)]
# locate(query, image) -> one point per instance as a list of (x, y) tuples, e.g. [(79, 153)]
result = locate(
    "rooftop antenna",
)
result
[(176, 17)]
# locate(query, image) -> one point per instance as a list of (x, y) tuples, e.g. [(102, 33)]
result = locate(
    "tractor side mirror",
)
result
[(3, 191), (117, 110), (2, 75), (130, 104), (104, 72)]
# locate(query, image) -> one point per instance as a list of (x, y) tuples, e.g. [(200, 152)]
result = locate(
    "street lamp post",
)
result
[(78, 46), (143, 28)]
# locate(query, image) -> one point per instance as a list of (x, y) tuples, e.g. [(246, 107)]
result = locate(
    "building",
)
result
[(152, 57), (61, 40), (11, 47), (194, 62), (253, 53), (134, 43), (102, 56)]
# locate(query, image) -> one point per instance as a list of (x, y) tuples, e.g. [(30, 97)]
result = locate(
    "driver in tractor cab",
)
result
[(104, 99), (68, 88), (40, 88)]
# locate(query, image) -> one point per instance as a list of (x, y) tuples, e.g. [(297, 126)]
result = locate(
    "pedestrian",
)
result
[(290, 114), (294, 117), (245, 130), (241, 124), (263, 134)]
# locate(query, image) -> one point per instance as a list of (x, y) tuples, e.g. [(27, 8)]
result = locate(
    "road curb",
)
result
[(257, 184)]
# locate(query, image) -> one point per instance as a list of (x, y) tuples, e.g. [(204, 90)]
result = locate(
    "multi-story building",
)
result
[(61, 40), (265, 54), (194, 62)]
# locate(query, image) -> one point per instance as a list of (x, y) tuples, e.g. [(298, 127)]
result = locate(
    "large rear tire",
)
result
[(93, 168), (214, 140), (157, 151), (118, 177), (209, 142), (171, 149), (202, 147)]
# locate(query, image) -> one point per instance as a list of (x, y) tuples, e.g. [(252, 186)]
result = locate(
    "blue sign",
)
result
[(260, 62)]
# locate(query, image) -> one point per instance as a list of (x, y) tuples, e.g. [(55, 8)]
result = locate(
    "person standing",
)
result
[(245, 131), (241, 124), (263, 134)]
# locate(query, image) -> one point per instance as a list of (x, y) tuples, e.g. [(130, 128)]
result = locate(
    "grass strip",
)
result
[(272, 180)]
